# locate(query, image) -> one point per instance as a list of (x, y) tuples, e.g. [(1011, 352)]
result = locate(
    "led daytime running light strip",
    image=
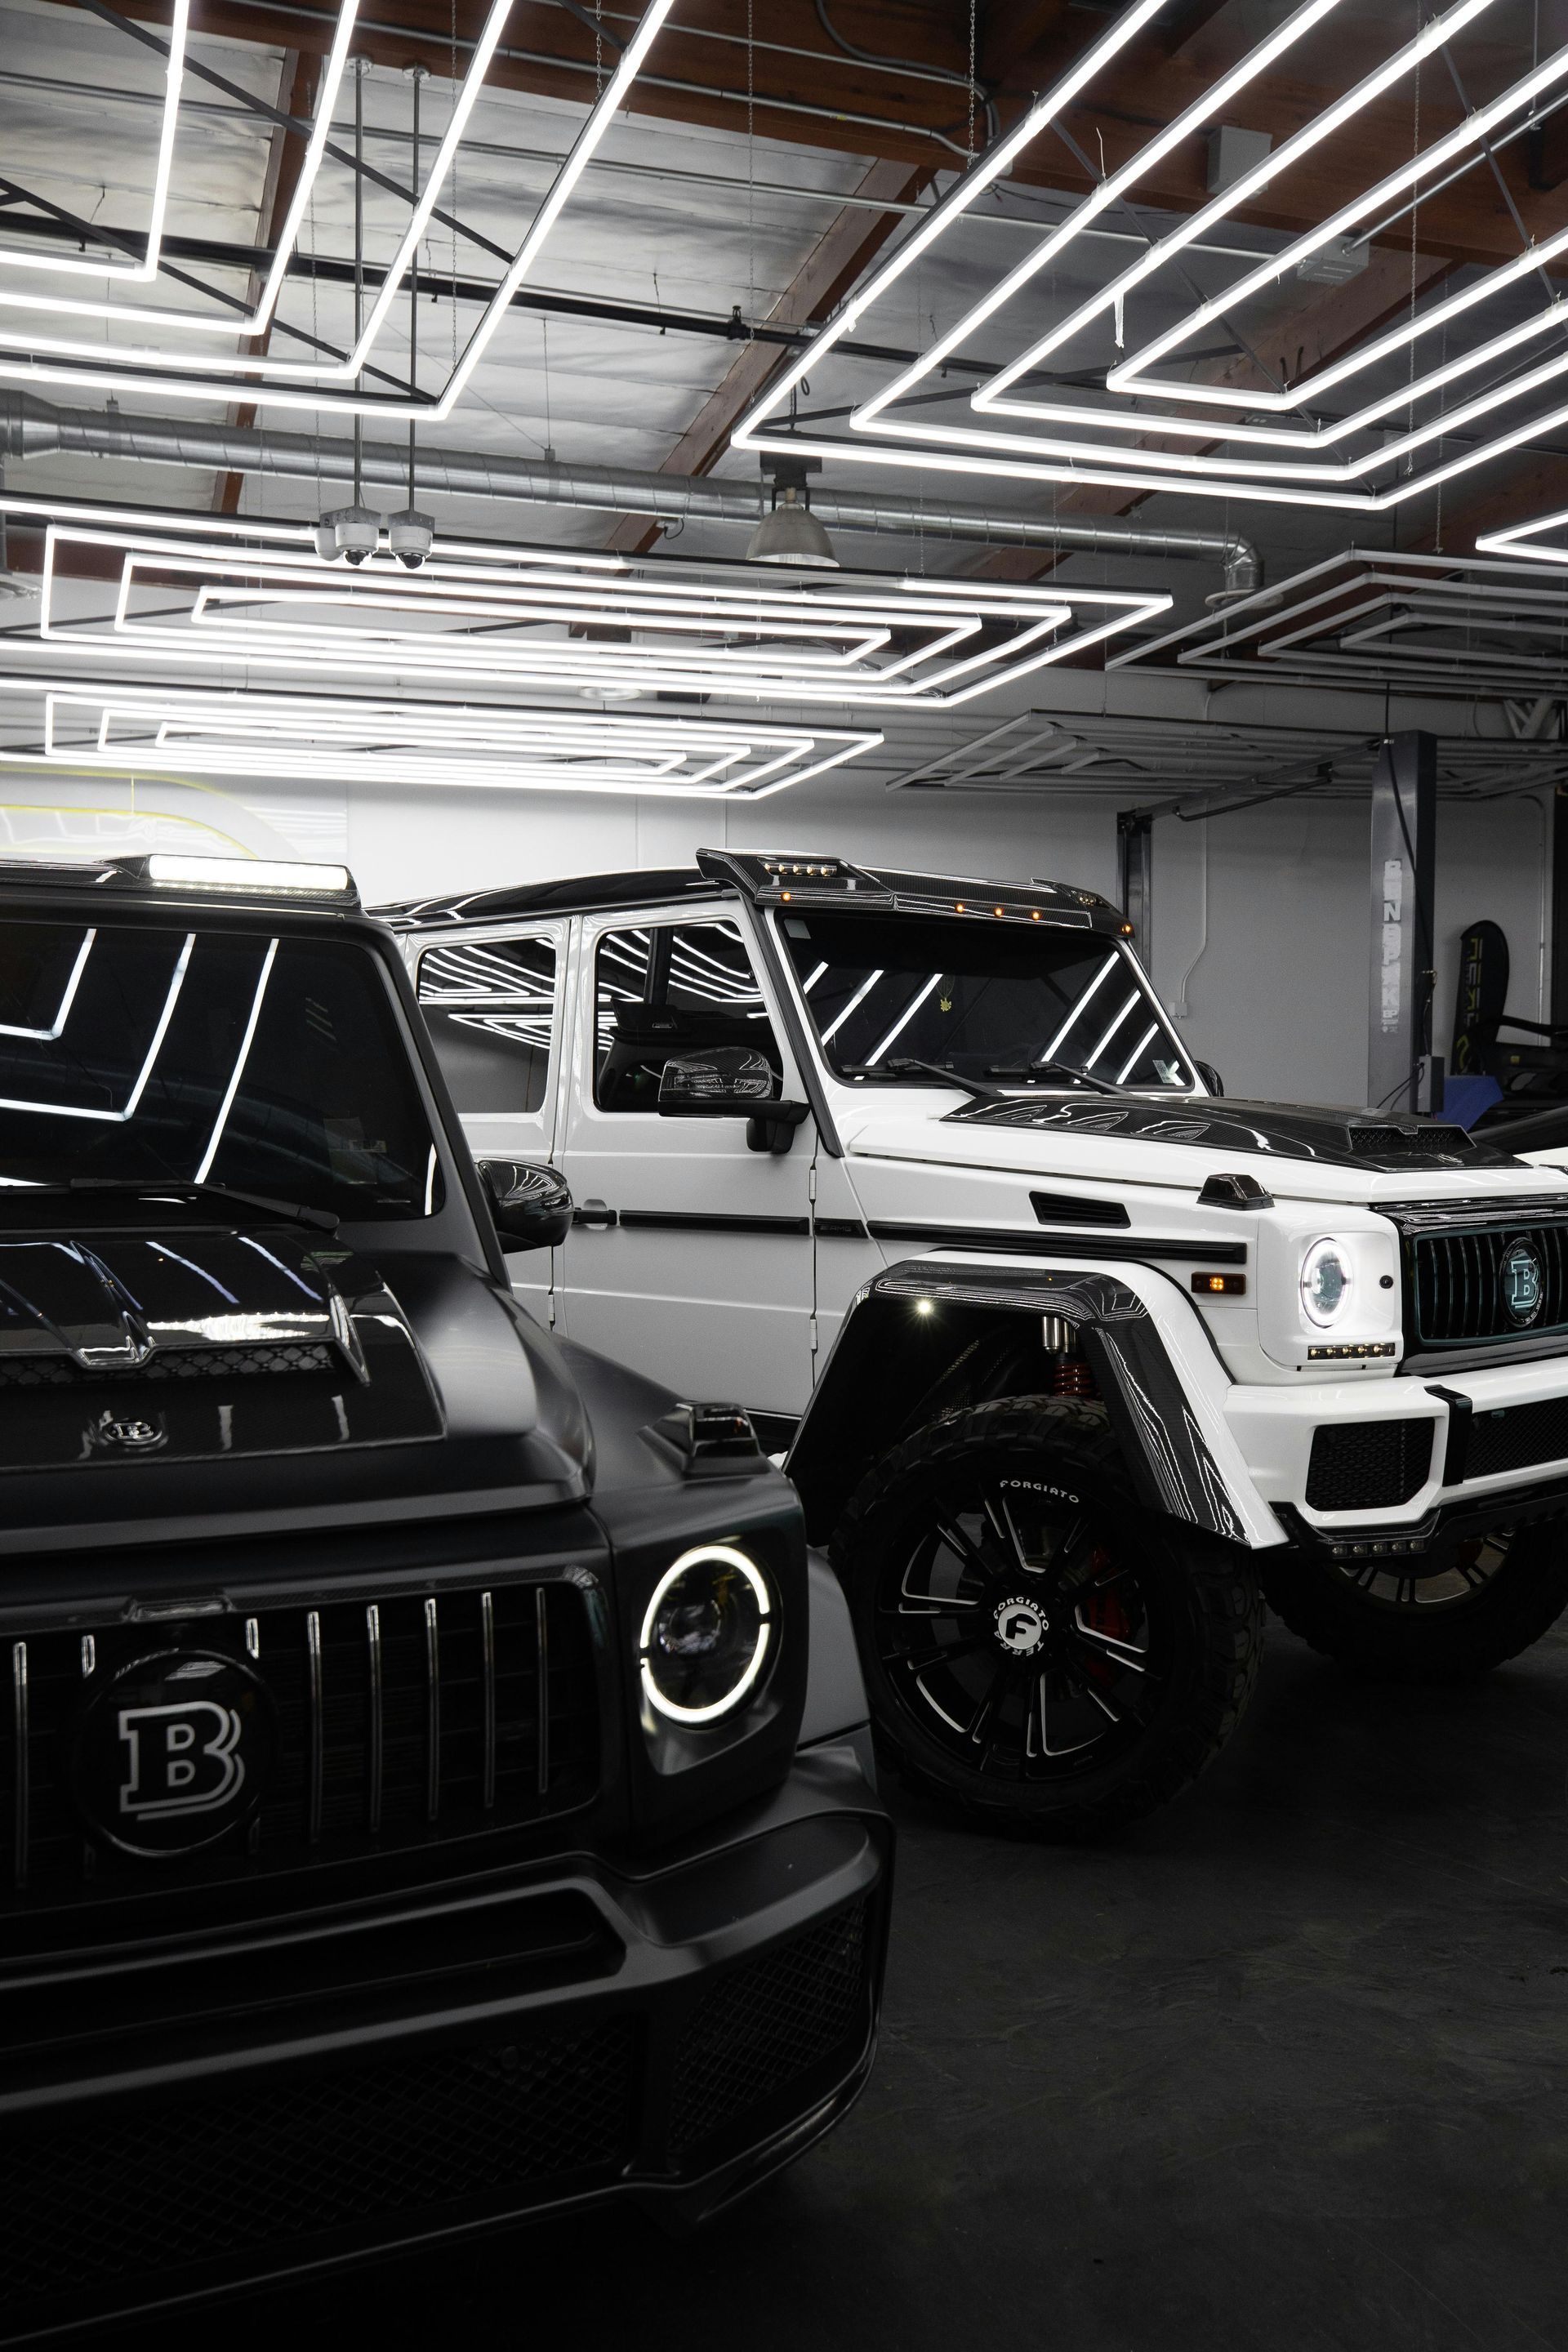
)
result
[(316, 385), (920, 643), (1088, 457), (186, 731)]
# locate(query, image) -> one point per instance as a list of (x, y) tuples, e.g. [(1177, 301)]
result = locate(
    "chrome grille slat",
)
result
[(432, 1711), (488, 1669), (375, 1728), (21, 1764), (513, 1672)]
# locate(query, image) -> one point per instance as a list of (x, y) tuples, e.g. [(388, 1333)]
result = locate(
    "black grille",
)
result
[(769, 2022), (1458, 1292), (1516, 1437), (106, 2203), (175, 1364), (400, 1722), (1368, 1466)]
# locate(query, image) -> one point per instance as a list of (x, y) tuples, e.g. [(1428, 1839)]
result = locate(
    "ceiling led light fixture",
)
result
[(1527, 542), (341, 739), (1377, 619), (529, 618), (330, 386), (130, 272), (1258, 441), (222, 322)]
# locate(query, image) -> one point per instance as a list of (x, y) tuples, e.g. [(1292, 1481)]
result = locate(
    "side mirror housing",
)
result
[(532, 1206), (1210, 1077), (730, 1082)]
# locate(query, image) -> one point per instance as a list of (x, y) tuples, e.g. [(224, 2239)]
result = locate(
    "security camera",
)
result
[(410, 535), (353, 531)]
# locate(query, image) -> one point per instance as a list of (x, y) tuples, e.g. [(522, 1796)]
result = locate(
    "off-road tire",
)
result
[(1439, 1642), (1201, 1596)]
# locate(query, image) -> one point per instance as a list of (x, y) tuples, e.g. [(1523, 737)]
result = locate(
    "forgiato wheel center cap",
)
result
[(1020, 1626)]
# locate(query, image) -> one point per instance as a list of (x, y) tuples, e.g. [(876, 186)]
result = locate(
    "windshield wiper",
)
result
[(975, 1086), (294, 1212), (1054, 1070)]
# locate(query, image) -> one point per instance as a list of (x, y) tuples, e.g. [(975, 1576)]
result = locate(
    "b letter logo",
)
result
[(172, 1752)]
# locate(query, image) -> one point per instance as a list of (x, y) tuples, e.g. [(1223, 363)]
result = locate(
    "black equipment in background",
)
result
[(1531, 1076)]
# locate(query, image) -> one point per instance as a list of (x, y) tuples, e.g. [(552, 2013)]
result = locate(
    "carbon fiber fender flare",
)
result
[(1171, 1467)]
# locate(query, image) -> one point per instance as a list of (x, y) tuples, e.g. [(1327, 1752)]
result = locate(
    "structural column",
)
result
[(1401, 1072)]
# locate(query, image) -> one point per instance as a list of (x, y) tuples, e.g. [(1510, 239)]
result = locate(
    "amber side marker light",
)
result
[(1220, 1286)]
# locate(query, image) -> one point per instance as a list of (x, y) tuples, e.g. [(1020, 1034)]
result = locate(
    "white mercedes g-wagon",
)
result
[(1071, 1356)]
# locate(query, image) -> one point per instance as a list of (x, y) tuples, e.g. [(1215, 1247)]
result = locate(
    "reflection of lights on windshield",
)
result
[(1111, 1030), (905, 1017), (859, 997), (1102, 975), (807, 985), (1136, 1056)]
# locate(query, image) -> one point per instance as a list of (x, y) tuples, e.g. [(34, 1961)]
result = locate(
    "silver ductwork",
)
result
[(30, 427)]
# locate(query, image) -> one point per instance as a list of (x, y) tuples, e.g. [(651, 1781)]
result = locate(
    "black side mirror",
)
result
[(1210, 1077), (532, 1206), (730, 1082)]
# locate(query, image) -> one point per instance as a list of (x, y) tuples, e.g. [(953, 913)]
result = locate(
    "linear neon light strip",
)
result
[(132, 273), (225, 322), (1081, 459), (304, 385), (1523, 540), (465, 745), (950, 651)]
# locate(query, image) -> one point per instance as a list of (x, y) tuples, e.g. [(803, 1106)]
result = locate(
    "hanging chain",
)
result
[(750, 159), (973, 57)]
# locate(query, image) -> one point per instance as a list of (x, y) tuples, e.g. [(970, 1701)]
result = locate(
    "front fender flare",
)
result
[(1158, 1372)]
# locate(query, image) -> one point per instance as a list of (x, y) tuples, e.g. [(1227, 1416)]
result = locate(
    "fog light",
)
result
[(705, 1634)]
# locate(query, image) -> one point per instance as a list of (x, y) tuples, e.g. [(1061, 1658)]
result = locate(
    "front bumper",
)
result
[(1395, 1452), (530, 2043)]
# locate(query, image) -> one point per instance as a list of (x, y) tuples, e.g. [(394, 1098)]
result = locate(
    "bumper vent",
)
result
[(102, 2205), (1368, 1466), (400, 1723), (1517, 1438), (1461, 1291), (768, 2022)]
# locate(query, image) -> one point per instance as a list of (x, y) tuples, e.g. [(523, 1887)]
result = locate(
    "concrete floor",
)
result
[(1286, 2068)]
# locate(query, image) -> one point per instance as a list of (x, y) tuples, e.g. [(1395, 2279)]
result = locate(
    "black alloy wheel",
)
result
[(1035, 1642), (1444, 1616)]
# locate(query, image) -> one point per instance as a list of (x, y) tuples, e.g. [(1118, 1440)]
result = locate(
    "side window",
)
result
[(670, 988), (490, 1005)]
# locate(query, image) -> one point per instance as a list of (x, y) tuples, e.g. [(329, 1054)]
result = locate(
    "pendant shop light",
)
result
[(789, 532)]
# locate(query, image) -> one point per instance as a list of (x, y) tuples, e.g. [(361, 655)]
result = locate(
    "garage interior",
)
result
[(403, 409)]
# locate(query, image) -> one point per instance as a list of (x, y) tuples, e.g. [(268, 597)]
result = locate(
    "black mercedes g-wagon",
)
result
[(431, 1769)]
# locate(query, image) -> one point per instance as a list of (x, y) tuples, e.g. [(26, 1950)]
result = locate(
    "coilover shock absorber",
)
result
[(1072, 1375)]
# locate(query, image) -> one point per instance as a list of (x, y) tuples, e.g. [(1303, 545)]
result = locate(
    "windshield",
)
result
[(982, 999), (268, 1064)]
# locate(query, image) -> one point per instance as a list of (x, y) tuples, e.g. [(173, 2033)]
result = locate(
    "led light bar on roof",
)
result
[(532, 618), (1257, 440), (289, 875), (327, 387), (184, 731)]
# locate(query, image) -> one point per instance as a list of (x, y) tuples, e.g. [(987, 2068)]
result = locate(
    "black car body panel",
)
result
[(353, 1891)]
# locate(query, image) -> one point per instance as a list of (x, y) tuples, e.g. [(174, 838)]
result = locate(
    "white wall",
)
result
[(1261, 925)]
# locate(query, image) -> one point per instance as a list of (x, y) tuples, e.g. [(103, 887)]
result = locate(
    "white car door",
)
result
[(492, 1000), (691, 1259)]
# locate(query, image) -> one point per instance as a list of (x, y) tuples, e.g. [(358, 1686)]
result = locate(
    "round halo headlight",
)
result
[(705, 1634), (1326, 1283)]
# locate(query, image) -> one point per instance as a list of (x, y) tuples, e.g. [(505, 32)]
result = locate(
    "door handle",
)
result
[(595, 1212)]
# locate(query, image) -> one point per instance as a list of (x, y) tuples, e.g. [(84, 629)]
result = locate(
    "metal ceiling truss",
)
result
[(1142, 423), (1210, 765), (1378, 620), (532, 619)]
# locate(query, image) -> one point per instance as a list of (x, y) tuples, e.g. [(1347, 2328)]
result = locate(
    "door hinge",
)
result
[(811, 1182), (813, 1323)]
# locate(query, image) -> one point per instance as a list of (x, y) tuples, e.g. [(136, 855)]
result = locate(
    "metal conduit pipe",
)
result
[(30, 427)]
